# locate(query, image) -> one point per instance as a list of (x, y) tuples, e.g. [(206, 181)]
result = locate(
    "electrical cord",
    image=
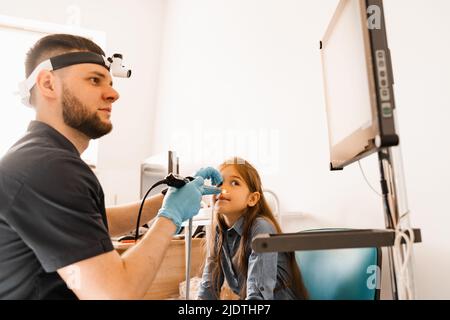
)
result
[(403, 253), (384, 196), (385, 190), (367, 181), (136, 236)]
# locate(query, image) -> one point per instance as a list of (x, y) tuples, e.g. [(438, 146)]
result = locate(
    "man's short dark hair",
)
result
[(57, 44)]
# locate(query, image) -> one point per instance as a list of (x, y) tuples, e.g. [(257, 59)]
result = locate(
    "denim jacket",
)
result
[(266, 271)]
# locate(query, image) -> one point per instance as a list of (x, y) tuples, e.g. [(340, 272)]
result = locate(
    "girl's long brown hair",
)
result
[(261, 209)]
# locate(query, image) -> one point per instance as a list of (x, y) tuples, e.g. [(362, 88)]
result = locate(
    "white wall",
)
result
[(134, 29), (232, 70), (245, 68)]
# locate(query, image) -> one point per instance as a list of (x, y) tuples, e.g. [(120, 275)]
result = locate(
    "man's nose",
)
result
[(111, 95)]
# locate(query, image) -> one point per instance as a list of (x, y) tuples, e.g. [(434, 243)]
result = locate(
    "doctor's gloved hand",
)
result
[(210, 173), (214, 176), (182, 204)]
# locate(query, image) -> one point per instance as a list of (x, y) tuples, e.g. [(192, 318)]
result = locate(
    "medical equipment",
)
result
[(361, 114), (171, 180), (116, 68), (112, 64), (177, 181)]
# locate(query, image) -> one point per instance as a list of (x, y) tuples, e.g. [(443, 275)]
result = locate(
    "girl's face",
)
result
[(235, 196)]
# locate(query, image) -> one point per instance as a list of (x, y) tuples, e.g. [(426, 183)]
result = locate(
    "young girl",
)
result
[(240, 213)]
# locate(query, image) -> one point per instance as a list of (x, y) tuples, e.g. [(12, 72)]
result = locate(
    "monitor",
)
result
[(358, 82)]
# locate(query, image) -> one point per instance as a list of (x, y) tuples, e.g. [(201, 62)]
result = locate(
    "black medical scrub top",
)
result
[(52, 214)]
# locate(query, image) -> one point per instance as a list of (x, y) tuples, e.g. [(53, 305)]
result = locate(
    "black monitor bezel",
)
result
[(382, 132)]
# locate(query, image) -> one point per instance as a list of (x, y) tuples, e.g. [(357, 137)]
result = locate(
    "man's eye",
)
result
[(94, 80)]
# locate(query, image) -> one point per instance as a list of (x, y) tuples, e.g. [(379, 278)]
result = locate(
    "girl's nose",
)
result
[(219, 196)]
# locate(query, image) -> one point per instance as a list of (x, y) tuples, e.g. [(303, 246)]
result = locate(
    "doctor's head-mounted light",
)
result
[(112, 64)]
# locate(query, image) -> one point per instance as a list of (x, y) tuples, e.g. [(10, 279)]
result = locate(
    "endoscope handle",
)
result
[(177, 181)]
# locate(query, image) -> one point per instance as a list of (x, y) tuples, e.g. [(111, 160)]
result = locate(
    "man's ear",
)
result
[(45, 84), (253, 199)]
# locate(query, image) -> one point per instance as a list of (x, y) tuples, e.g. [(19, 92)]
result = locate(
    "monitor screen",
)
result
[(356, 128)]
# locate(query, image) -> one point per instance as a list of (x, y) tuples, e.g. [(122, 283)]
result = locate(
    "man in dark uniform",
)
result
[(54, 228)]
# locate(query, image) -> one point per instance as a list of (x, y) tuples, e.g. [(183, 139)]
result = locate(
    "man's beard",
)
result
[(77, 116)]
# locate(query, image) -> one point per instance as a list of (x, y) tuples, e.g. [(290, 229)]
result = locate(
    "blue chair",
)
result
[(341, 274)]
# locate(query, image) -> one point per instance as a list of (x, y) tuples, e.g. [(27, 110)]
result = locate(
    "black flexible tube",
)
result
[(136, 236)]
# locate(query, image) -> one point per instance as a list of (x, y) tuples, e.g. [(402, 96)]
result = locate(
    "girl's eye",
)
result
[(234, 183)]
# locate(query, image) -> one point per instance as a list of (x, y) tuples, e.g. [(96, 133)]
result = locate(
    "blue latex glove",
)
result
[(182, 204), (210, 173)]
